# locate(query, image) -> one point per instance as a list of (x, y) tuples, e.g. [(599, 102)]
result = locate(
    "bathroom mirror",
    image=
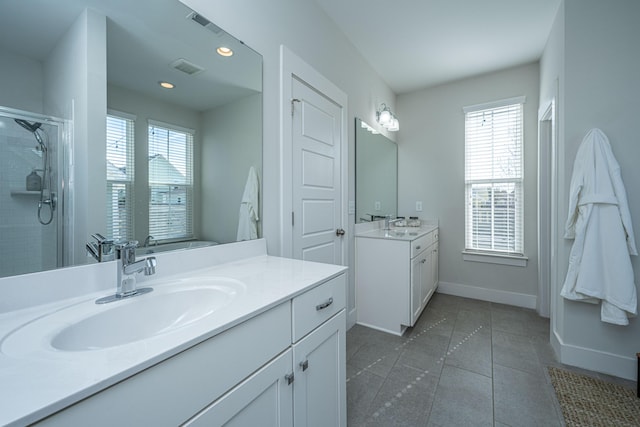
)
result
[(66, 66), (376, 174)]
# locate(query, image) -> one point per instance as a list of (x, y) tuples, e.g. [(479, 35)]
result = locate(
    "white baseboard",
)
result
[(491, 295), (594, 360)]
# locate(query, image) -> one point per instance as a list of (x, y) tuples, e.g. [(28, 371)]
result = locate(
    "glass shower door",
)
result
[(30, 193)]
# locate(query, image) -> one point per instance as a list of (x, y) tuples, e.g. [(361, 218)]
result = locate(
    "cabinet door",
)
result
[(434, 266), (319, 388), (417, 267), (426, 288), (263, 399)]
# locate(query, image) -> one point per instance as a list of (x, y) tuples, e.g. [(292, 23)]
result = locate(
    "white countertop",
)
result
[(42, 381), (398, 233)]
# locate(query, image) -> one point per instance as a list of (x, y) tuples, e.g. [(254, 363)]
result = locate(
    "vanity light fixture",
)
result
[(224, 51), (387, 119), (166, 85)]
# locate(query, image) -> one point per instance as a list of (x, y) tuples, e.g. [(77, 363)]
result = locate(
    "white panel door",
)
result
[(317, 182)]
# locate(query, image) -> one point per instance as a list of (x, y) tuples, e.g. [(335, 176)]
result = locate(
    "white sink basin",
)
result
[(88, 326)]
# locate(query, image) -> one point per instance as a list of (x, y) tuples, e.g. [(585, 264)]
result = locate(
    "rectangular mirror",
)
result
[(106, 149), (376, 174)]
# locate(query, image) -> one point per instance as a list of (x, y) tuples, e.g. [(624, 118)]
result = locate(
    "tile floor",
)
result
[(464, 363)]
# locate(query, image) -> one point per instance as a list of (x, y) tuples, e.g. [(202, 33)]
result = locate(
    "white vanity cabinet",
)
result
[(396, 275), (283, 367)]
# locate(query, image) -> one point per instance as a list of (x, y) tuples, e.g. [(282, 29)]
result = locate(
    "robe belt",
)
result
[(597, 198)]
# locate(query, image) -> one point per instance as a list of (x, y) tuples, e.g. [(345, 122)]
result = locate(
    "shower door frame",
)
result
[(63, 167)]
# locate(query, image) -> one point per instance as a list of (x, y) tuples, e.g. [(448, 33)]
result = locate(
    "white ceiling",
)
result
[(143, 38), (414, 44)]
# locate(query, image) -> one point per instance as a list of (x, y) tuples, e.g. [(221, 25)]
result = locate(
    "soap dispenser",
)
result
[(34, 181)]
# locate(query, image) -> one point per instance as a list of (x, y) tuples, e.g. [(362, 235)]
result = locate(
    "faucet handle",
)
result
[(126, 250), (150, 266), (127, 244)]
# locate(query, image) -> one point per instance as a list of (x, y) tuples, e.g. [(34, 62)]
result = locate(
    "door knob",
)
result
[(340, 232)]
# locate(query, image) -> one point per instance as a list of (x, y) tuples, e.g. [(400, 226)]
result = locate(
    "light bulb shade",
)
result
[(394, 125), (385, 117)]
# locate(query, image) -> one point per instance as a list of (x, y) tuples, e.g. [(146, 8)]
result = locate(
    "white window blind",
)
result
[(120, 176), (170, 182), (493, 177)]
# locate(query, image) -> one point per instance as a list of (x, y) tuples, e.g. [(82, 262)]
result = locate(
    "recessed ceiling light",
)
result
[(224, 51), (167, 85)]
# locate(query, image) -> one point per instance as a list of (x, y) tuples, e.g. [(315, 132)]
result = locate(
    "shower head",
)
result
[(31, 127)]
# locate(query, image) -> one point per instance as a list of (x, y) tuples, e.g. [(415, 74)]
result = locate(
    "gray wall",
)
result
[(228, 151), (592, 57), (431, 170)]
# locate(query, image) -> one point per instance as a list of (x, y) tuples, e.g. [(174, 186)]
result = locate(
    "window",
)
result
[(493, 177), (170, 182), (120, 176)]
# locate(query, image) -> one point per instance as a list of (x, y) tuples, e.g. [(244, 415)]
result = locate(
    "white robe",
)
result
[(248, 215), (599, 221)]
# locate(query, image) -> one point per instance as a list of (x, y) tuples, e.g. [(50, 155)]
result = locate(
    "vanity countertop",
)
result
[(42, 381), (399, 233)]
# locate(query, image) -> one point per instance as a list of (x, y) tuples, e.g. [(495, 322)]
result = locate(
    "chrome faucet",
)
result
[(149, 241), (102, 249), (388, 221), (127, 267)]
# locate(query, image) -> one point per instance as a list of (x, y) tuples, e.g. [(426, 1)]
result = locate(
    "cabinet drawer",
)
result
[(421, 243), (317, 305)]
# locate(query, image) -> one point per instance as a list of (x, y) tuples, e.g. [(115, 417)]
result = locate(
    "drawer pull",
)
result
[(324, 304), (418, 247), (304, 365)]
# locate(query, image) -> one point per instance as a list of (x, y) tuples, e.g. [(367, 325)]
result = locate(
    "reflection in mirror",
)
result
[(89, 137), (376, 174)]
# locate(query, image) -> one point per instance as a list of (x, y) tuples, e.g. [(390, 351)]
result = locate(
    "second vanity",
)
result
[(271, 352), (396, 274)]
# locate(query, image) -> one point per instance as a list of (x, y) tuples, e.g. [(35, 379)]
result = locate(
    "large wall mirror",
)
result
[(91, 141), (376, 174)]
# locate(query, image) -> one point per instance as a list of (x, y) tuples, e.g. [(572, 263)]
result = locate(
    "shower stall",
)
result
[(32, 177)]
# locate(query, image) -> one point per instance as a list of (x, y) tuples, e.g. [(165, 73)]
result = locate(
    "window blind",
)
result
[(494, 179), (170, 182), (120, 177)]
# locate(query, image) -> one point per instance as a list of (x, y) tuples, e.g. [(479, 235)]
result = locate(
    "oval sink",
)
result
[(87, 326)]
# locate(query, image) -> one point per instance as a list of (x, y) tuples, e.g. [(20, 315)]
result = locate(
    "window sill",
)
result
[(495, 258)]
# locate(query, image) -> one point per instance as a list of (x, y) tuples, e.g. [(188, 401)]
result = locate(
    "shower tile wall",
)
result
[(25, 245)]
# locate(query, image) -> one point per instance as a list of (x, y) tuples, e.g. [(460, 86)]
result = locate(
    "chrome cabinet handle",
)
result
[(324, 304), (304, 365), (418, 247), (289, 378)]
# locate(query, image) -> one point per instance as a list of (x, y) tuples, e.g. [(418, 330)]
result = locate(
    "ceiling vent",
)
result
[(186, 67), (201, 20)]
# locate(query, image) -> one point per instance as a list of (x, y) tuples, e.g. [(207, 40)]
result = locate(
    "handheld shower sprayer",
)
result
[(33, 127), (46, 197)]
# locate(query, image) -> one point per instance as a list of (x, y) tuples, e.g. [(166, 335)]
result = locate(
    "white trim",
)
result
[(546, 181), (171, 126), (491, 295), (594, 360), (495, 258), (495, 104), (121, 114)]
